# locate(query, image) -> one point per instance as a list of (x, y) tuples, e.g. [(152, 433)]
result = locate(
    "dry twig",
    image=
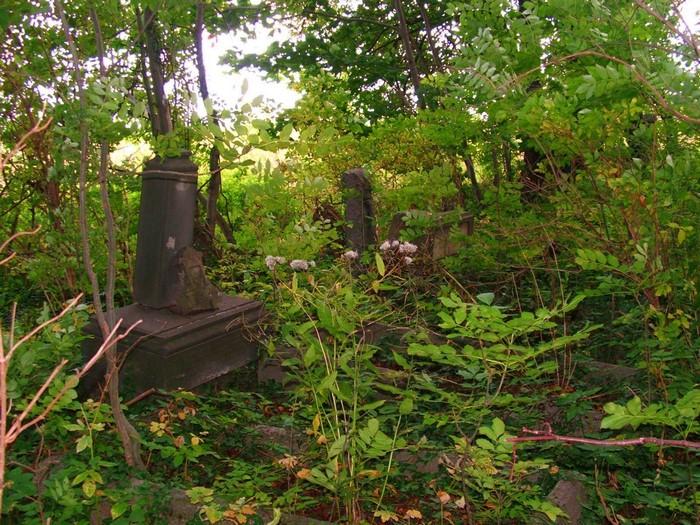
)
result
[(548, 435)]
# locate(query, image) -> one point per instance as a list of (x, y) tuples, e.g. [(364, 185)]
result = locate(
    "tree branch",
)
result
[(548, 435), (12, 238), (214, 154), (688, 37), (408, 52)]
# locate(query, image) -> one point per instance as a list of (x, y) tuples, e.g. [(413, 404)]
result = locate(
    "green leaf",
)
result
[(401, 361), (328, 382), (286, 132), (213, 514), (373, 425), (498, 427), (208, 107), (448, 302), (372, 406), (689, 405), (337, 447), (486, 298), (380, 264), (139, 109), (307, 134), (325, 316), (406, 406), (634, 406), (484, 444), (320, 478), (83, 443), (118, 509), (89, 488), (311, 355), (326, 134)]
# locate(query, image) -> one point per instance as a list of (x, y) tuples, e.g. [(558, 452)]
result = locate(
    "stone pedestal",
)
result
[(169, 351)]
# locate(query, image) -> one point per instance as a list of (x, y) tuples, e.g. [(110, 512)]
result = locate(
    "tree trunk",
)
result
[(429, 35), (144, 75), (214, 155), (160, 113), (507, 162), (530, 176), (472, 178), (126, 432), (496, 168), (408, 48), (225, 227)]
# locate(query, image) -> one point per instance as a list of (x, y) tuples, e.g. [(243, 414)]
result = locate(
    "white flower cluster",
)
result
[(350, 255), (298, 265), (271, 261), (401, 248), (407, 248), (388, 245)]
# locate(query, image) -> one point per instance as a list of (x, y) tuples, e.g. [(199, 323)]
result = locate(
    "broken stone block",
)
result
[(192, 291), (285, 437), (271, 367), (602, 373), (570, 496)]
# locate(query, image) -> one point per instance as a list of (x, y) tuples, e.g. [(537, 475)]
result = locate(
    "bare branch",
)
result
[(22, 142), (17, 426), (12, 238), (15, 429), (548, 435), (43, 325)]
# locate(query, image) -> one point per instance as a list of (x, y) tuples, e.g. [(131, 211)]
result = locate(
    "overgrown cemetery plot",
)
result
[(454, 282)]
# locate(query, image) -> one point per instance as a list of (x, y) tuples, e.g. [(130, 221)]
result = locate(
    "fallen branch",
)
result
[(548, 435)]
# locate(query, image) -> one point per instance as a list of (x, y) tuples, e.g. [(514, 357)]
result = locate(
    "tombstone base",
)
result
[(168, 351)]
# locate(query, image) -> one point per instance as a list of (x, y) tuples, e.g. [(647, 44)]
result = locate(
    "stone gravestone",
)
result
[(190, 332), (359, 212)]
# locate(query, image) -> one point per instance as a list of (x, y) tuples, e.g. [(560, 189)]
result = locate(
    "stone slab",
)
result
[(168, 351)]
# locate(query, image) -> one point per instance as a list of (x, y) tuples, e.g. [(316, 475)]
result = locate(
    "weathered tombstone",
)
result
[(359, 212), (190, 333), (438, 241), (166, 225)]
